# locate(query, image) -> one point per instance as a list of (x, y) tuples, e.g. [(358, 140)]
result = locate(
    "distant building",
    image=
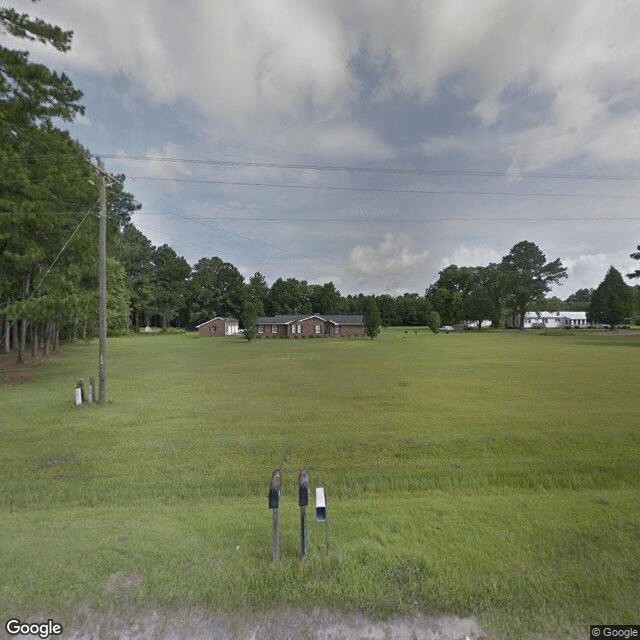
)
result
[(217, 327), (552, 320), (307, 326)]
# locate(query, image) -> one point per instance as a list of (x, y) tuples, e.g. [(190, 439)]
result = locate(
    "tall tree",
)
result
[(447, 294), (288, 296), (579, 300), (478, 306), (492, 279), (249, 319), (528, 276), (612, 301), (135, 253), (216, 288), (170, 275), (324, 298), (31, 93), (257, 291), (31, 96), (371, 318)]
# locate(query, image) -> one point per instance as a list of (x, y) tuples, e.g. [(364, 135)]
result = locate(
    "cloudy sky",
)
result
[(245, 126)]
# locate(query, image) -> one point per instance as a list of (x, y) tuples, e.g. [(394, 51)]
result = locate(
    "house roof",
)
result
[(288, 319), (216, 318), (574, 315)]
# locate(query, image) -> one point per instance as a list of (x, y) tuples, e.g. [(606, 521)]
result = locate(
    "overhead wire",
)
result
[(356, 169)]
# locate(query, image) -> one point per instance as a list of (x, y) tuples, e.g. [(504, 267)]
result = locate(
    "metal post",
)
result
[(102, 261), (303, 501), (274, 500)]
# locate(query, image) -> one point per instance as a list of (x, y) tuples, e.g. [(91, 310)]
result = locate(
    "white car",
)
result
[(447, 328)]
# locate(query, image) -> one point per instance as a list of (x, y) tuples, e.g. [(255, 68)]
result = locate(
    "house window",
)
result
[(274, 328), (296, 328), (212, 328), (260, 328), (317, 328), (337, 329)]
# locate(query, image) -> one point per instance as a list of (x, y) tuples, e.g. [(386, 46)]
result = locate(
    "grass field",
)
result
[(486, 474)]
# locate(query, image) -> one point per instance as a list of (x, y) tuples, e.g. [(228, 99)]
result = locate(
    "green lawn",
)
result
[(487, 474)]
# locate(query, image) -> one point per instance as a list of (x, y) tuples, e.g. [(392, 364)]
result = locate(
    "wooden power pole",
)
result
[(102, 261)]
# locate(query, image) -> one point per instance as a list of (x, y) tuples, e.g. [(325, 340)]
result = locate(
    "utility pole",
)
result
[(102, 261), (103, 176)]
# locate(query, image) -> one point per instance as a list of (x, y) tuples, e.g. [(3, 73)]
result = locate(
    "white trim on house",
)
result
[(555, 319)]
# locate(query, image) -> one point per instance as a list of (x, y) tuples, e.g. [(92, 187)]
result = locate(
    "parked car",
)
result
[(447, 328)]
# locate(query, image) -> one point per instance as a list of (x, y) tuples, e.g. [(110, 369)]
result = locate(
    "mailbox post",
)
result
[(274, 501), (303, 501)]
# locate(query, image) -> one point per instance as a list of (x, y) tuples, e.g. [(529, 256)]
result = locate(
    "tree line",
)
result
[(49, 203)]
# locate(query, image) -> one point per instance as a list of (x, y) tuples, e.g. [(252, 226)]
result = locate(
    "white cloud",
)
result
[(469, 256), (587, 270), (239, 59), (390, 264)]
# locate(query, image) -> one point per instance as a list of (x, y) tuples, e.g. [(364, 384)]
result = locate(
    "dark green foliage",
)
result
[(433, 321), (448, 293), (612, 301), (249, 319), (257, 291), (170, 276), (31, 93), (287, 297), (216, 288), (579, 301), (371, 318), (478, 306), (324, 298), (528, 276), (135, 253)]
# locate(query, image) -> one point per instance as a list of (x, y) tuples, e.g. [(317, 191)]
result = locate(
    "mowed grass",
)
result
[(486, 474)]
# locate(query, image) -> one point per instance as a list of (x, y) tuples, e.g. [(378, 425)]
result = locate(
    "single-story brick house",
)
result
[(218, 327), (307, 326)]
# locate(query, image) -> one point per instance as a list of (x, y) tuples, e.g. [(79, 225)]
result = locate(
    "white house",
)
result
[(554, 319)]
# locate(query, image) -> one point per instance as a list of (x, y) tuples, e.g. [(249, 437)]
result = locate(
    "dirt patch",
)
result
[(288, 624), (12, 374)]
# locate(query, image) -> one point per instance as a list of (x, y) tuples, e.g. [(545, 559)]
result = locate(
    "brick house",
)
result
[(217, 327), (304, 326)]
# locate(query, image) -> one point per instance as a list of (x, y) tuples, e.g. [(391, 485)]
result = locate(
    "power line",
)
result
[(347, 168), (431, 172), (384, 190), (373, 218), (430, 192)]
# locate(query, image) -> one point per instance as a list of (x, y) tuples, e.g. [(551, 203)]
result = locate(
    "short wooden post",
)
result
[(322, 515), (79, 391), (303, 501), (80, 385), (92, 390), (274, 500)]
